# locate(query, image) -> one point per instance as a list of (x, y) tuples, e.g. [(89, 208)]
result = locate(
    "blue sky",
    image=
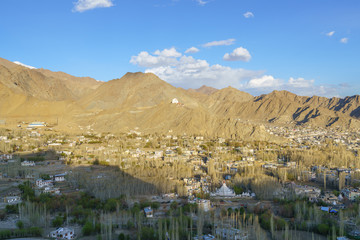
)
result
[(304, 46)]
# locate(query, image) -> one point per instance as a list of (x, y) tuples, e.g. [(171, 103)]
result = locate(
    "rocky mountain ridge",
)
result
[(144, 101)]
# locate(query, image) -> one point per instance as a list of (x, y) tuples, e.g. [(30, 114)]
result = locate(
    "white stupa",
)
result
[(175, 101), (224, 191)]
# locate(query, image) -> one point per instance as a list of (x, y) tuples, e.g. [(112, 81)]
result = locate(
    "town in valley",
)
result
[(157, 186)]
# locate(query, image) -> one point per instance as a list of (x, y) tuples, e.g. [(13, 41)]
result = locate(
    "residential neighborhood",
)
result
[(212, 174)]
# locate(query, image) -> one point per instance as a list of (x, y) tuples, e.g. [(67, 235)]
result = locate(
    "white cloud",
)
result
[(329, 34), (192, 50), (84, 5), (227, 42), (305, 87), (344, 40), (201, 2), (168, 53), (166, 57), (239, 54), (299, 86), (248, 15), (300, 83), (24, 65), (189, 72), (266, 81)]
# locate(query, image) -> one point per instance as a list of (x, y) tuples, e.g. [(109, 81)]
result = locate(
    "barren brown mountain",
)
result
[(204, 90), (143, 101)]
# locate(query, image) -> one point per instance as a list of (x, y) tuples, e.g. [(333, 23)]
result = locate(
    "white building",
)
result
[(63, 233), (52, 191), (175, 101), (28, 163), (12, 199), (40, 183), (59, 177), (6, 157), (224, 191)]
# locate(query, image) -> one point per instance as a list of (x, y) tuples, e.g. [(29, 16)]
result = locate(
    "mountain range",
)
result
[(143, 101)]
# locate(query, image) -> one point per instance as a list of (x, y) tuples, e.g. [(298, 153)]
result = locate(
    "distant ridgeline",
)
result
[(143, 100)]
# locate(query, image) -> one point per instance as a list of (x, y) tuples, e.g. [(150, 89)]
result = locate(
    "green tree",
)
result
[(20, 224), (121, 236), (88, 229), (323, 228), (27, 191), (58, 221), (147, 233), (110, 205), (238, 190)]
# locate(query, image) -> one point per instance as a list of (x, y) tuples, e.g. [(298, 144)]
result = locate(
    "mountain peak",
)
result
[(206, 90), (282, 94)]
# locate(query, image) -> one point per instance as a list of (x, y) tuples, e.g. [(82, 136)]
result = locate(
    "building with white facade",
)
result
[(63, 233), (224, 191)]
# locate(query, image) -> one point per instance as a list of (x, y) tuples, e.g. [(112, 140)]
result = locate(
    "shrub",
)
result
[(12, 209), (58, 221), (20, 224), (147, 233), (87, 229), (322, 229), (121, 236), (2, 215), (110, 205), (242, 210)]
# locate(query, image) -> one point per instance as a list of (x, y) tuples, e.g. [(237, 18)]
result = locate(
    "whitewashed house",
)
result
[(63, 233), (40, 183), (52, 191), (28, 163), (59, 177), (12, 199)]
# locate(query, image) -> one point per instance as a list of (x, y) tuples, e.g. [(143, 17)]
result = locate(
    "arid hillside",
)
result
[(145, 102)]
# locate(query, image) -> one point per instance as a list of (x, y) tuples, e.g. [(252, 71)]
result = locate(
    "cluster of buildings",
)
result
[(47, 186), (6, 157), (316, 136)]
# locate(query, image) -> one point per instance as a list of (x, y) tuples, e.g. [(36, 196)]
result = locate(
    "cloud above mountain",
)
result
[(189, 72)]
